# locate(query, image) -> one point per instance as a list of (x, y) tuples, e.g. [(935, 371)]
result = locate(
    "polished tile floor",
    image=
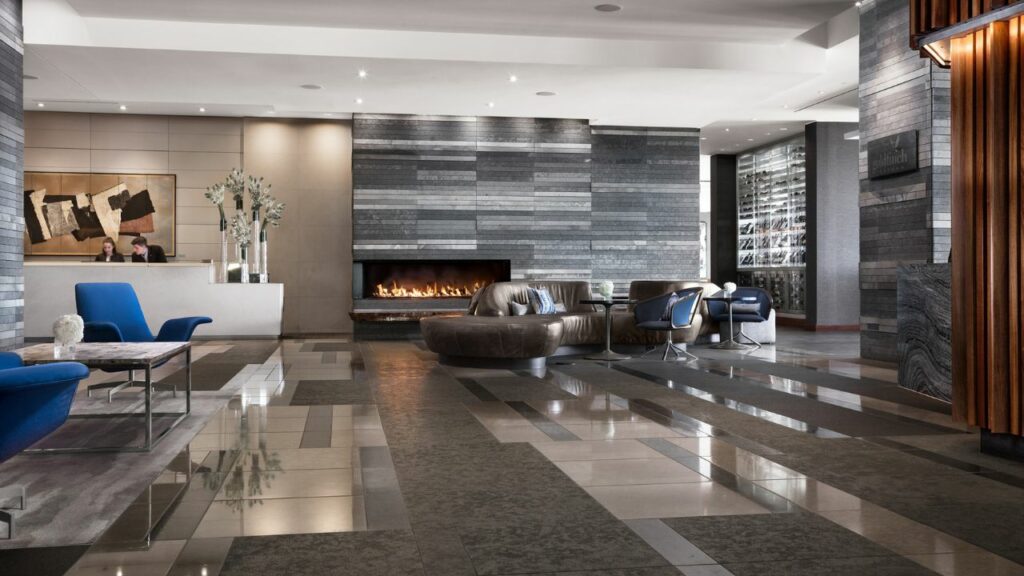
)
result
[(370, 458)]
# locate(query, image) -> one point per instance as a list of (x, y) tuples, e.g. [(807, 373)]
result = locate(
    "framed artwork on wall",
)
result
[(69, 214)]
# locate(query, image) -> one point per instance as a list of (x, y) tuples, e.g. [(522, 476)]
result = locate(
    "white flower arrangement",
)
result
[(606, 288), (259, 194), (68, 330), (241, 230), (273, 210), (729, 287), (235, 183)]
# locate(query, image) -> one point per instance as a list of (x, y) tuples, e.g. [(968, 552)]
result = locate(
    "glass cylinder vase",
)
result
[(243, 264), (256, 258), (223, 276), (264, 270)]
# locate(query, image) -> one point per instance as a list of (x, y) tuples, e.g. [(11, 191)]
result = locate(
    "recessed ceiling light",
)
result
[(328, 114), (783, 129), (29, 77), (703, 138), (820, 92), (547, 93), (857, 3), (359, 100), (785, 105), (767, 133), (312, 86), (202, 109), (270, 112), (41, 105), (750, 139), (513, 78), (607, 7), (123, 107), (726, 129), (753, 119), (362, 73), (490, 104)]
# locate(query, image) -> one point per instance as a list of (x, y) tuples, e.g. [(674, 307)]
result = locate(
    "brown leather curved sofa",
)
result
[(489, 331)]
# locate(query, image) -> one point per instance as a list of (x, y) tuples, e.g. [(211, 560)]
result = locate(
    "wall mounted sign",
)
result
[(892, 155), (69, 214)]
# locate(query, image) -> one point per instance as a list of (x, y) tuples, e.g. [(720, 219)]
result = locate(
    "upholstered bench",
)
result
[(468, 340)]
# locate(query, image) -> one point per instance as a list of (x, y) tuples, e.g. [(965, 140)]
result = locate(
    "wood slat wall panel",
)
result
[(988, 223), (930, 15)]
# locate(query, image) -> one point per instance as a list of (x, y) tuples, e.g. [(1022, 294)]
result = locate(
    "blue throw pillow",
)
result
[(541, 301)]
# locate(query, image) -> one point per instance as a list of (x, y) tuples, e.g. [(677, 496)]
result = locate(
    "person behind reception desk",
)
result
[(109, 252), (143, 252)]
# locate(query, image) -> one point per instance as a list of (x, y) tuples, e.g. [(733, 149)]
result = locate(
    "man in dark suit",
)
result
[(143, 252)]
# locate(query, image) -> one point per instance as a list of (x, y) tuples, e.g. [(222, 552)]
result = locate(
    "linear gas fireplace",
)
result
[(426, 279)]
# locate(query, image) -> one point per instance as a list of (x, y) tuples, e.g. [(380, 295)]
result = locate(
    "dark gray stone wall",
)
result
[(903, 219), (833, 290), (925, 330), (12, 143), (722, 265), (560, 200)]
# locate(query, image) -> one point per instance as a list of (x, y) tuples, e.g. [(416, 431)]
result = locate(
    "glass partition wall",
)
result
[(772, 223)]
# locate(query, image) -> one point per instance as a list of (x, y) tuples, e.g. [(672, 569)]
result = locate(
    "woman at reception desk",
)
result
[(109, 253)]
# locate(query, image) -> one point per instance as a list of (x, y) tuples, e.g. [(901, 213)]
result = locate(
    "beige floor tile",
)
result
[(812, 495), (266, 484), (895, 532), (298, 458), (673, 500), (619, 430), (595, 450), (358, 437), (968, 564), (736, 460), (356, 423), (628, 472), (282, 516), (155, 560), (518, 433)]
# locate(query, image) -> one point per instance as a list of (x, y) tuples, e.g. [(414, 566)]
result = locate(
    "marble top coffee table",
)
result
[(128, 356)]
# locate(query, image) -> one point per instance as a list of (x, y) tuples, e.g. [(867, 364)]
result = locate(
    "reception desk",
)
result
[(166, 291)]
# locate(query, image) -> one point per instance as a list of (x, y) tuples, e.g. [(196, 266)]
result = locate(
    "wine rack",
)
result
[(771, 192)]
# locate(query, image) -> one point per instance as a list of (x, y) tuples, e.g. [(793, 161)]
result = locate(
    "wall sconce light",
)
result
[(939, 51)]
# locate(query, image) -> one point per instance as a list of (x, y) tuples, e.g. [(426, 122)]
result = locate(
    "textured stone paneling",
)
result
[(905, 219), (12, 138), (560, 199)]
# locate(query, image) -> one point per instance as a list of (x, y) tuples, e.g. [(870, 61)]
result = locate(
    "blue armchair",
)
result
[(668, 312), (34, 401), (112, 313), (756, 308)]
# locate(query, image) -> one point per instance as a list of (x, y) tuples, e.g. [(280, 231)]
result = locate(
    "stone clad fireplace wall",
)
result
[(558, 198)]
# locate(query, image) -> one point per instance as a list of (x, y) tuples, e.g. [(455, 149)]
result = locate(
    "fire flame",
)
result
[(434, 290)]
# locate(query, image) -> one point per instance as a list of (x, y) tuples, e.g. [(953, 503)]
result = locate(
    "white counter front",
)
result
[(166, 291)]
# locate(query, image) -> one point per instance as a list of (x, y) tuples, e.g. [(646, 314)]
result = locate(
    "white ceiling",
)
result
[(743, 20), (752, 66)]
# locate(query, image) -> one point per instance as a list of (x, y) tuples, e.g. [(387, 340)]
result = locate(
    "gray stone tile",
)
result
[(875, 566), (557, 547), (772, 538), (392, 553), (321, 392)]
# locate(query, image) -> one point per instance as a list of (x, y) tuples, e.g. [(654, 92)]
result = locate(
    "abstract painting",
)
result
[(69, 214)]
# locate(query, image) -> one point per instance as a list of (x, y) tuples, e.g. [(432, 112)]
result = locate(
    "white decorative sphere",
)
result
[(730, 287)]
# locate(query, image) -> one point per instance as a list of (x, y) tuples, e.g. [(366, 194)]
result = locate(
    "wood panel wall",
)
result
[(988, 227), (927, 16)]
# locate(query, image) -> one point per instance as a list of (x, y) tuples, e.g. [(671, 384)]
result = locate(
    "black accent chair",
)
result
[(756, 307), (668, 312)]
